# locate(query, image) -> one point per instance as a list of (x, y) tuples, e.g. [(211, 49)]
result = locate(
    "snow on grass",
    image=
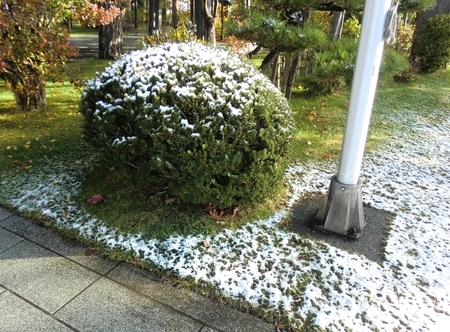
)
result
[(292, 275)]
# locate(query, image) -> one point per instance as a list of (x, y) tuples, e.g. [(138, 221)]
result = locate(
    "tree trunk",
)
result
[(441, 7), (175, 6), (290, 70), (33, 100), (110, 38), (292, 75), (269, 59), (136, 20), (209, 11), (286, 70), (338, 24), (153, 17), (255, 51), (68, 24), (29, 95), (275, 72)]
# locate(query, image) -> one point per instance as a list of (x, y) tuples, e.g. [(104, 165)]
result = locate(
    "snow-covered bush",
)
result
[(195, 120)]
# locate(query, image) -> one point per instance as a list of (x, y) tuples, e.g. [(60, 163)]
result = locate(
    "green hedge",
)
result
[(432, 48), (198, 121)]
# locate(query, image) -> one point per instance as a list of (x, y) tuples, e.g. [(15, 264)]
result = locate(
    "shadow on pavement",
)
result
[(371, 243)]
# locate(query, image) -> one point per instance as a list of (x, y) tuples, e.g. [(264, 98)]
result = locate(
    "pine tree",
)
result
[(283, 27)]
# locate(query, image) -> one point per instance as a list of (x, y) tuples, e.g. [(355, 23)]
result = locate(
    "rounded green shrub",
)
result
[(198, 121), (432, 48)]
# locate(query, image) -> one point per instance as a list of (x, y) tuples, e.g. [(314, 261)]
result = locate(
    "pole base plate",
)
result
[(342, 212)]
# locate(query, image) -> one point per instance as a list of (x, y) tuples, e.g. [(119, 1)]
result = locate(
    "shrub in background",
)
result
[(182, 34), (403, 38), (333, 66), (392, 63), (195, 120), (351, 28), (409, 74), (432, 48)]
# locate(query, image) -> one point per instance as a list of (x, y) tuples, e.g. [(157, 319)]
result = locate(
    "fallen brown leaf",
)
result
[(95, 199), (169, 201), (225, 214)]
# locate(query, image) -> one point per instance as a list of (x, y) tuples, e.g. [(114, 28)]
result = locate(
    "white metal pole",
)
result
[(370, 51)]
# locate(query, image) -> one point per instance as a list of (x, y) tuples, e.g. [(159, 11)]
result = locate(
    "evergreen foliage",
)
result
[(404, 38), (332, 67), (352, 28), (270, 31), (193, 120), (433, 44)]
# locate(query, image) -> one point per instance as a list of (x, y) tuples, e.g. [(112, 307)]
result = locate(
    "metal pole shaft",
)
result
[(370, 51)]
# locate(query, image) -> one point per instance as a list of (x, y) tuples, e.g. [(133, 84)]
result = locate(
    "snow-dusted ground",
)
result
[(287, 273)]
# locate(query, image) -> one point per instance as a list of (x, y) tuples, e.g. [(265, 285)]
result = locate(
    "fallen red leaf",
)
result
[(223, 214), (209, 208), (95, 199)]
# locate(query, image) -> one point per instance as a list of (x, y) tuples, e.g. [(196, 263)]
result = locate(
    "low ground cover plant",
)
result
[(195, 121)]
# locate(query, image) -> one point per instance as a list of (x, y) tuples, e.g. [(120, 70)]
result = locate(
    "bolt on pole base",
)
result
[(342, 212)]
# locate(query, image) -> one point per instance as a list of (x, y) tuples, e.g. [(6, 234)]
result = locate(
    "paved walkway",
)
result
[(88, 44), (51, 283)]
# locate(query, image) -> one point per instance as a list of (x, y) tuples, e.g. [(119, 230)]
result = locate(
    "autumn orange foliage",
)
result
[(34, 45)]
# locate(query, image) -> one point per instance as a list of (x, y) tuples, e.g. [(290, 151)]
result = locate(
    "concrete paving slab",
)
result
[(42, 277), (16, 315), (88, 45), (8, 239), (2, 289), (218, 316), (57, 243), (108, 306), (4, 215)]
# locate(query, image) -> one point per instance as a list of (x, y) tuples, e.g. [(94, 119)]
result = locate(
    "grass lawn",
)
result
[(44, 146), (29, 137)]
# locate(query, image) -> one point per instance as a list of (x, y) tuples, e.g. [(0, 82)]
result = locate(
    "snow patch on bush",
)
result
[(184, 107)]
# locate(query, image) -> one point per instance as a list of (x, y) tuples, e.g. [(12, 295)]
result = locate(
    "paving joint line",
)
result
[(163, 304), (79, 293), (24, 237), (38, 308), (104, 275)]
